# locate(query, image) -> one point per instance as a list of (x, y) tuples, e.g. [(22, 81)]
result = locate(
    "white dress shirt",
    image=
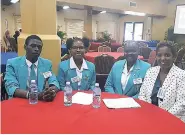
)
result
[(78, 71), (125, 76), (29, 66)]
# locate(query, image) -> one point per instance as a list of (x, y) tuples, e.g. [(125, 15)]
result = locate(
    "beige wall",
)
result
[(69, 14), (160, 25), (61, 16), (157, 7)]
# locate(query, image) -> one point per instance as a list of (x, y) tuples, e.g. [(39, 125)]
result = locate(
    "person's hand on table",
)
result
[(48, 94)]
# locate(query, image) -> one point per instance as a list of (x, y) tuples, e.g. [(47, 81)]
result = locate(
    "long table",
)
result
[(18, 116)]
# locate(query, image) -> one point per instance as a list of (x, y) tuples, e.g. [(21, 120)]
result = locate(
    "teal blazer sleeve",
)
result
[(109, 85), (93, 79), (61, 77), (11, 82), (53, 80)]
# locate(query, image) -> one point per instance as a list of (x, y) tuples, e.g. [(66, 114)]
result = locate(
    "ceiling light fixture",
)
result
[(134, 13), (102, 12), (65, 7), (14, 1)]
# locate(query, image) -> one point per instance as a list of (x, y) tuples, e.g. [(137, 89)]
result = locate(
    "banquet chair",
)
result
[(120, 49), (65, 57), (104, 48), (120, 58), (152, 57), (180, 55), (101, 79), (145, 52), (104, 63), (181, 65), (89, 49), (4, 95)]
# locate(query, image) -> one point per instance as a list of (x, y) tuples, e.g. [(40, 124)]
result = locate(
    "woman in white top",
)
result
[(164, 85)]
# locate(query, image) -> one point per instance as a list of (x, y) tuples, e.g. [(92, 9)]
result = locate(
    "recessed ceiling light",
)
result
[(134, 13), (65, 7), (14, 1), (102, 12)]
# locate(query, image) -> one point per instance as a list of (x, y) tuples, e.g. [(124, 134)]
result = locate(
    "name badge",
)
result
[(161, 93), (75, 79), (47, 74), (137, 81)]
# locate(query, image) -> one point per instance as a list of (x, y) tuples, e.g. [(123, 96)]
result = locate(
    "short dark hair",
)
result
[(131, 43), (167, 44), (70, 42), (32, 37)]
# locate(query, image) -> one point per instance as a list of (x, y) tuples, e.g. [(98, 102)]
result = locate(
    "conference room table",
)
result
[(90, 56), (18, 116)]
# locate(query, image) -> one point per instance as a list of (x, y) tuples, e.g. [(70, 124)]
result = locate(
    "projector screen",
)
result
[(179, 27)]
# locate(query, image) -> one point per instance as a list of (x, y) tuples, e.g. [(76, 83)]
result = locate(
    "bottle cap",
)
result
[(32, 81), (68, 83), (97, 84)]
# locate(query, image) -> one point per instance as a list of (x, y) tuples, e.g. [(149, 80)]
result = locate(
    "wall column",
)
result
[(39, 17), (88, 22)]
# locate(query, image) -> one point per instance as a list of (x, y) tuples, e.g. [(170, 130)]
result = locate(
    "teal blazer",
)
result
[(65, 73), (113, 83), (17, 74)]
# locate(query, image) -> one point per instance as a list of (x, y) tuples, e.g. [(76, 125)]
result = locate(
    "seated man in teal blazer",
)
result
[(126, 76), (76, 70), (21, 70)]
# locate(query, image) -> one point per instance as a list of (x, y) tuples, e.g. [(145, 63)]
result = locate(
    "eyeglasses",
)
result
[(76, 48), (126, 53)]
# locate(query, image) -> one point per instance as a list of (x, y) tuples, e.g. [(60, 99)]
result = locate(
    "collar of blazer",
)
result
[(169, 78), (23, 62)]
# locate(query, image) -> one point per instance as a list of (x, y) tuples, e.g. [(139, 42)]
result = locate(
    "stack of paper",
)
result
[(121, 103), (82, 98)]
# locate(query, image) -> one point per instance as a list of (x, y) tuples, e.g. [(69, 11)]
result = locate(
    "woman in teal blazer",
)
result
[(76, 70), (131, 71)]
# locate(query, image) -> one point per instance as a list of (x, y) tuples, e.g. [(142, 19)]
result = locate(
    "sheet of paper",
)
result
[(82, 98), (121, 103)]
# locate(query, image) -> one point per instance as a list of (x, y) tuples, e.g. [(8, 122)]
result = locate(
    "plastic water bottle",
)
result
[(33, 93), (96, 96), (68, 94)]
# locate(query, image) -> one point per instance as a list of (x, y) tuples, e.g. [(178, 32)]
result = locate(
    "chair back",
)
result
[(104, 48), (4, 95), (65, 57), (120, 58), (101, 79), (180, 55), (120, 49), (145, 52), (152, 57), (104, 63)]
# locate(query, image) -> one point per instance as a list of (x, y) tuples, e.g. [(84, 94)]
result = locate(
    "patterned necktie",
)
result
[(32, 73)]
